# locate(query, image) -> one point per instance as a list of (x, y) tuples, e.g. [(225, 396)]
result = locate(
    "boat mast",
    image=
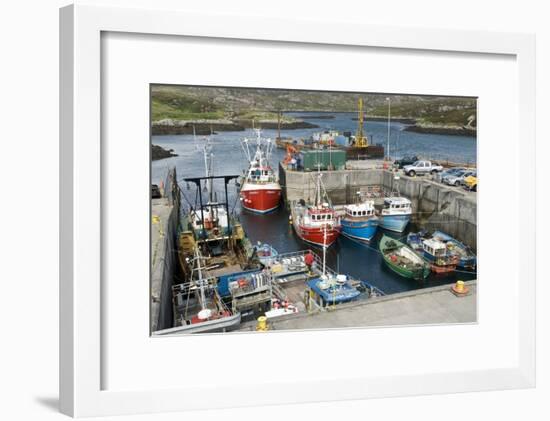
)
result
[(201, 281), (324, 249)]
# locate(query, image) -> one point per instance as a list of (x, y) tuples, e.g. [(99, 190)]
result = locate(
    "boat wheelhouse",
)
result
[(359, 221), (438, 254), (396, 214)]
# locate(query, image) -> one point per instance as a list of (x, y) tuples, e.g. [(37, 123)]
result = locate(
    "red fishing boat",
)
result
[(318, 223), (260, 189)]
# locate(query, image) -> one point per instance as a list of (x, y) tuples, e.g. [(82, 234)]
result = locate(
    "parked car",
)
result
[(470, 182), (422, 167), (448, 172), (458, 178), (406, 160)]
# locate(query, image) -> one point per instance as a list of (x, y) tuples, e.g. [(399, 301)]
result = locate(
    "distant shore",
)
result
[(168, 127), (452, 131), (403, 120)]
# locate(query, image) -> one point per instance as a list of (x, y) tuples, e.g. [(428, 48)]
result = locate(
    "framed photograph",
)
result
[(260, 211)]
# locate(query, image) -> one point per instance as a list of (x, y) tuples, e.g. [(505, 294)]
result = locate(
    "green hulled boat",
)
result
[(402, 259)]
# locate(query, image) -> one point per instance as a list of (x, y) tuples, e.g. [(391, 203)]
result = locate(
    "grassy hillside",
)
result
[(194, 103)]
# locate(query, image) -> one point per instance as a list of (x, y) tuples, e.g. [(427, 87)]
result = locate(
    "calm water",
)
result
[(350, 257)]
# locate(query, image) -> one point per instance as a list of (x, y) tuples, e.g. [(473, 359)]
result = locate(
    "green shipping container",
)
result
[(324, 159)]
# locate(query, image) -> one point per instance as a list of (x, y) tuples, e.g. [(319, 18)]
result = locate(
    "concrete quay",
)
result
[(428, 306), (435, 205)]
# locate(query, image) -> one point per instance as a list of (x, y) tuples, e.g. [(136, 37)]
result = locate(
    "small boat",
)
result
[(333, 289), (266, 253), (441, 261), (330, 287), (467, 258), (318, 223), (396, 214), (260, 189), (359, 221), (402, 259)]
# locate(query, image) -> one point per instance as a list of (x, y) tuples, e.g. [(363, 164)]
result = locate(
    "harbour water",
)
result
[(347, 256)]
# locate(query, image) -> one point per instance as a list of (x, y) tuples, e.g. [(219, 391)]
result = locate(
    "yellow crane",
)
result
[(361, 141)]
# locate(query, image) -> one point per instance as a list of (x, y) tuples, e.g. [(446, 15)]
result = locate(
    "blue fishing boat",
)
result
[(467, 258), (359, 221), (396, 214), (333, 289)]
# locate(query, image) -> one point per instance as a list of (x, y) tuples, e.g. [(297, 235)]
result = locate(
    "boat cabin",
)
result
[(360, 210), (396, 206), (215, 216), (319, 215), (261, 175), (434, 247)]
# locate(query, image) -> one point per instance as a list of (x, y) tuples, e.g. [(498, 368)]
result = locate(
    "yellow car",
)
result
[(471, 183)]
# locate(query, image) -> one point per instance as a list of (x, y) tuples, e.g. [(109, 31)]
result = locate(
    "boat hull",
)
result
[(342, 294), (419, 273), (465, 262), (261, 200), (369, 152), (395, 223), (359, 230), (317, 235)]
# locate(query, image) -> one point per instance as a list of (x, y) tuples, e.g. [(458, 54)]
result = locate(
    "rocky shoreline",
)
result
[(452, 131), (315, 117), (208, 127), (158, 152), (403, 120)]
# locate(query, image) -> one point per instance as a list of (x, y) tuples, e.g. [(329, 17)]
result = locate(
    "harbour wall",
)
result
[(164, 259), (435, 205)]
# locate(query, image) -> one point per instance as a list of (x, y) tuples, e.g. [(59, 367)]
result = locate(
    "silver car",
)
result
[(457, 179)]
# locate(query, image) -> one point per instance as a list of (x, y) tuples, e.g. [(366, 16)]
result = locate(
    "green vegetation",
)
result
[(205, 103)]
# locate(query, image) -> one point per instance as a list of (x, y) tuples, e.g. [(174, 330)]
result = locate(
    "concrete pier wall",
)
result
[(164, 259), (435, 206)]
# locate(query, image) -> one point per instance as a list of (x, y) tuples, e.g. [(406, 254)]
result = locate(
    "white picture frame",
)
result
[(82, 391)]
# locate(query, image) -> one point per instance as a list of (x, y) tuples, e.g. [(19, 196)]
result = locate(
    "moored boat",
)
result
[(402, 259), (467, 258), (330, 287), (333, 289), (396, 214), (359, 221), (317, 223), (441, 261), (260, 189)]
